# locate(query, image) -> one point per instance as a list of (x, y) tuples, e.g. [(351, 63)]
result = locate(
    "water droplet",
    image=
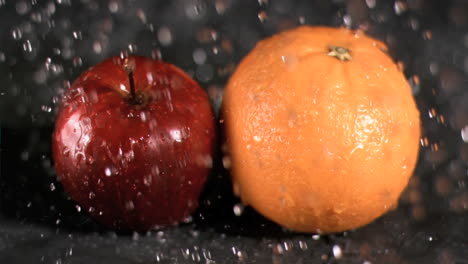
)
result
[(108, 171), (165, 36), (141, 15), (185, 252), (188, 219), (400, 7), (221, 6), (129, 205), (199, 56), (195, 9), (147, 180), (414, 23), (434, 68), (176, 135), (316, 237), (97, 47), (289, 60), (22, 7), (337, 252), (371, 3), (77, 35), (78, 208), (303, 245), (262, 16), (238, 209), (69, 252), (302, 20), (415, 84), (424, 142), (135, 236), (132, 48), (227, 162), (427, 35), (16, 33), (46, 108), (204, 161), (113, 6), (155, 170), (50, 9), (156, 54), (464, 134), (432, 113), (347, 20), (27, 47), (278, 249), (25, 155), (91, 195), (204, 72), (143, 116), (159, 257), (52, 187)]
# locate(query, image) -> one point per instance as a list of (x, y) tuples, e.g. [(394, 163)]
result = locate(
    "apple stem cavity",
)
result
[(134, 99)]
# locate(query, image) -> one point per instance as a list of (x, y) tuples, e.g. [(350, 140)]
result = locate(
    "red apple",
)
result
[(133, 143)]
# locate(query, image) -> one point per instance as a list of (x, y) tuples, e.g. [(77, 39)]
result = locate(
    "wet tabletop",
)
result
[(45, 45)]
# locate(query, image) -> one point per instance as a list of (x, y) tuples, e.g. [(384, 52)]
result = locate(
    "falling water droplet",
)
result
[(108, 171), (238, 209), (22, 7), (371, 3), (199, 56), (147, 180), (347, 20), (77, 35), (227, 162), (195, 9), (399, 7), (129, 205), (165, 36), (27, 47), (303, 245), (464, 134), (424, 142), (16, 33), (97, 47), (262, 16), (337, 252), (113, 6)]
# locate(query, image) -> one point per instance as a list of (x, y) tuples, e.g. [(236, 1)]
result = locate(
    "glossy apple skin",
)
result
[(134, 166)]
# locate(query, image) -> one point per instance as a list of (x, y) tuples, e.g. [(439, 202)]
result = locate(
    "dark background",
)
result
[(45, 45)]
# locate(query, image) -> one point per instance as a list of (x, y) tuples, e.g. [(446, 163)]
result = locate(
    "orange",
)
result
[(322, 129)]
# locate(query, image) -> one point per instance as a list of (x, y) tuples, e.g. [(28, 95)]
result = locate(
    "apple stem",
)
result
[(132, 86), (129, 67)]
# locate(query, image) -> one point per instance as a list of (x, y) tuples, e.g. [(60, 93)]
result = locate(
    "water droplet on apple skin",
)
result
[(138, 143)]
